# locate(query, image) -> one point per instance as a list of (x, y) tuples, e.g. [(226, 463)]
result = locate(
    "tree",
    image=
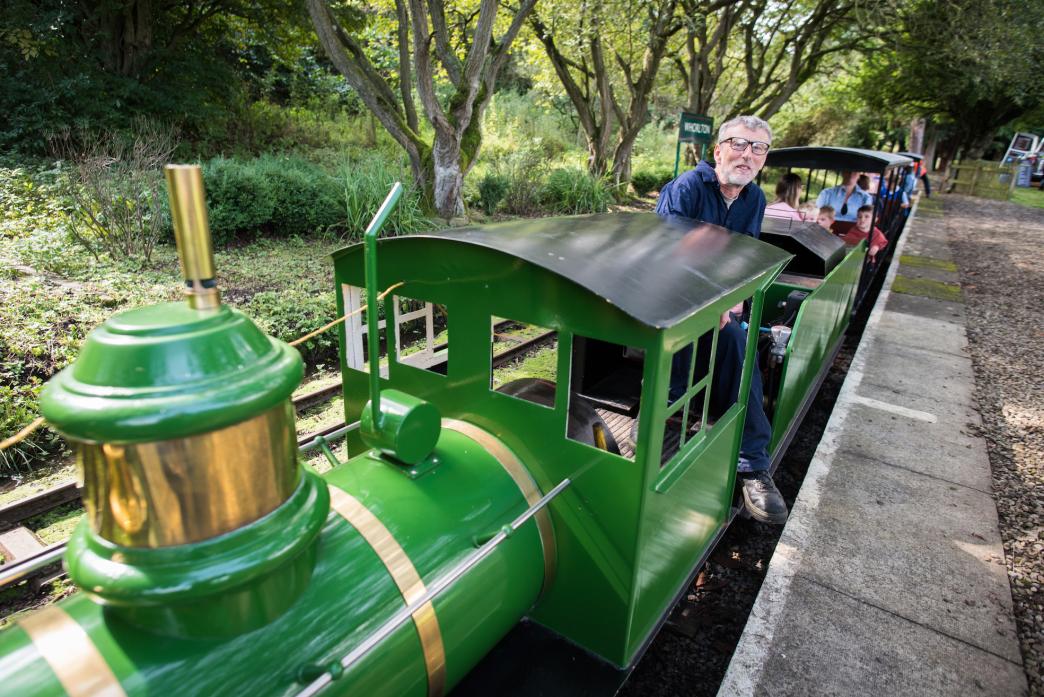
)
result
[(751, 56), (98, 65), (970, 65), (464, 64), (607, 54)]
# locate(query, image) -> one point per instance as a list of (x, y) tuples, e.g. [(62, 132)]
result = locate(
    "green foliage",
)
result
[(289, 313), (514, 122), (271, 196), (240, 199), (365, 182), (574, 191), (305, 198), (646, 181), (974, 64), (524, 170), (491, 191)]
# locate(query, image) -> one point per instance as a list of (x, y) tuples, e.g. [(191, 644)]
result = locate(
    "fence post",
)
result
[(975, 177)]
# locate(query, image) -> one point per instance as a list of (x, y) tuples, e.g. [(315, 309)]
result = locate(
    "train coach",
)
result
[(476, 529), (888, 171)]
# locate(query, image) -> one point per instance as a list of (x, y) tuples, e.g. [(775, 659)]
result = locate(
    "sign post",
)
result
[(693, 128)]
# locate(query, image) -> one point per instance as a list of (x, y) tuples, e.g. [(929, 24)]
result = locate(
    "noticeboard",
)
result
[(695, 128)]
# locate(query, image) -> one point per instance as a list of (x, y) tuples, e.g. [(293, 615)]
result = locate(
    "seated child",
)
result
[(809, 211), (826, 217), (861, 230)]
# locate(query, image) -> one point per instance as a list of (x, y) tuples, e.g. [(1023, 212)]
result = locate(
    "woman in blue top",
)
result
[(846, 198)]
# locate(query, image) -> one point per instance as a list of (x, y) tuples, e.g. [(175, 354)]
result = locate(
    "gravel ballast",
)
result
[(999, 251)]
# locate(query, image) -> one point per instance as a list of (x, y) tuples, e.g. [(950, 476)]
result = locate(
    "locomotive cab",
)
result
[(608, 301)]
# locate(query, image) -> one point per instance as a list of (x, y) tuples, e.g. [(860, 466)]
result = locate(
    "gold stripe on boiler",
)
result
[(523, 480), (405, 576), (71, 654)]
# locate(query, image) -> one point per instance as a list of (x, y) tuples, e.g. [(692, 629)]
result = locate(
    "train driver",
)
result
[(726, 195)]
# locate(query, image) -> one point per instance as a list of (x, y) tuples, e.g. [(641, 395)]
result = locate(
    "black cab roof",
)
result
[(851, 159), (657, 271)]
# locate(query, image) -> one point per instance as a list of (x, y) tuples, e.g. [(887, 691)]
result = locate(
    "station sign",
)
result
[(695, 128)]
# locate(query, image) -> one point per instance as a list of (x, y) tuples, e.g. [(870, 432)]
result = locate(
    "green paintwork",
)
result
[(437, 519), (227, 585), (820, 324), (408, 430), (168, 371), (629, 533)]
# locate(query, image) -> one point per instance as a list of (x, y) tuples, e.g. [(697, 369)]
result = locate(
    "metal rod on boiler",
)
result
[(438, 586)]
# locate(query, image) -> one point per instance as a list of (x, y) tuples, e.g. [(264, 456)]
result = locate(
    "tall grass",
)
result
[(366, 181)]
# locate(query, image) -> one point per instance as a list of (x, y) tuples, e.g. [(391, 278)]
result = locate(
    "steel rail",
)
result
[(440, 584)]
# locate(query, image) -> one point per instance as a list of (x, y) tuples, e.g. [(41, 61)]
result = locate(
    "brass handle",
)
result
[(188, 208)]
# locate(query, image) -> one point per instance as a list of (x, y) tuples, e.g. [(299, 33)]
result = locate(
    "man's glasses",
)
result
[(758, 147)]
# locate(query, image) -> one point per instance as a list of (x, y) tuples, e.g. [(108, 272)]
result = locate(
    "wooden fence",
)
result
[(982, 178)]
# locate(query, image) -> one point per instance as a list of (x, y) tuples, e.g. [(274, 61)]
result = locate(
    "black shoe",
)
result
[(762, 499)]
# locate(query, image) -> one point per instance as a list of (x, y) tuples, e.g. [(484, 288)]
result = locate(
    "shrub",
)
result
[(648, 180), (524, 171), (117, 190), (240, 199), (305, 198), (491, 191), (573, 191)]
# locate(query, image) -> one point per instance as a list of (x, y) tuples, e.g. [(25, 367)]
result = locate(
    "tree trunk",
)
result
[(976, 145), (449, 180), (917, 126), (622, 157), (930, 143)]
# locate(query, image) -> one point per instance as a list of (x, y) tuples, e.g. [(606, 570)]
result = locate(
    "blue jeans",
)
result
[(725, 384)]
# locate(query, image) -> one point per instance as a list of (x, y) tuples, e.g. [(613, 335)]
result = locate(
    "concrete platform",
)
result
[(889, 577)]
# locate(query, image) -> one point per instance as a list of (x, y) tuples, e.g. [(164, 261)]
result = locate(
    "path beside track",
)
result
[(890, 576)]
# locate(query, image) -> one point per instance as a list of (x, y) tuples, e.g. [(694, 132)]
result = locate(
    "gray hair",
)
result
[(751, 122)]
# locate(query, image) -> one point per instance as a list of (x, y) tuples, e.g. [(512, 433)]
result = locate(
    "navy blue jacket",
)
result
[(697, 194)]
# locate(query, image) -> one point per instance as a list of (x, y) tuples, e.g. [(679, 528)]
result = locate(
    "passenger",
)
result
[(861, 230), (826, 218), (809, 211), (845, 198), (726, 195), (788, 194), (863, 182), (897, 195), (910, 183)]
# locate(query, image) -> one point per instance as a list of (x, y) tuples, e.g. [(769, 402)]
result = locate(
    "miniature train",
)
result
[(568, 513)]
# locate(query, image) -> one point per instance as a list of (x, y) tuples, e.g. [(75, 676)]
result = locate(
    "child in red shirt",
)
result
[(861, 230)]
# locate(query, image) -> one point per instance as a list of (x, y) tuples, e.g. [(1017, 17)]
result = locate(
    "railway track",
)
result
[(29, 559)]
